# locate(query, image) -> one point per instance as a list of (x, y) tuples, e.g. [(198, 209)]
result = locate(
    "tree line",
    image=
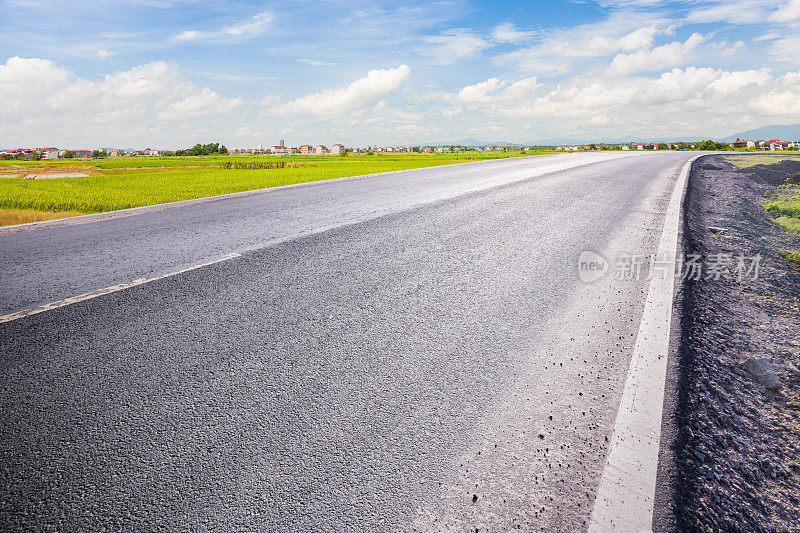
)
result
[(201, 149)]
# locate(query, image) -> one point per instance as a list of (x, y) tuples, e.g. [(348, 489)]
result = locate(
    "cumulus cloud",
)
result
[(617, 34), (206, 102), (39, 96), (495, 91), (658, 58), (359, 94), (687, 98)]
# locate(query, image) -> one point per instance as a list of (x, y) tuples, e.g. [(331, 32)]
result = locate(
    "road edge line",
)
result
[(625, 496), (107, 290)]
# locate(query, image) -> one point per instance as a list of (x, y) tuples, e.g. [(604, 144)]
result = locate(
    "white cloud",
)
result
[(785, 49), (453, 45), (359, 94), (104, 54), (508, 33), (733, 11), (480, 92), (206, 102), (42, 99), (658, 58), (678, 102), (188, 35), (318, 63), (255, 26), (495, 91), (556, 49), (788, 12), (252, 27)]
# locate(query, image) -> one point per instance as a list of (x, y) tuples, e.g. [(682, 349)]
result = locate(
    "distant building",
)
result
[(320, 149), (738, 143), (50, 153), (280, 150), (778, 145), (76, 153), (306, 149), (337, 148), (625, 147)]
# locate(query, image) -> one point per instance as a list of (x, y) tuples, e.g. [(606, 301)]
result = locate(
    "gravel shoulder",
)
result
[(738, 445)]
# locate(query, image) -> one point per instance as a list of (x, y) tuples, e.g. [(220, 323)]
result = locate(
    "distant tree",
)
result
[(202, 149), (96, 154), (592, 147), (711, 145), (6, 157), (370, 152), (343, 153), (416, 149), (68, 155)]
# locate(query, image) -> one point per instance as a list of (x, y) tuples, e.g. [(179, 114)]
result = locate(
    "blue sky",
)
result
[(165, 73)]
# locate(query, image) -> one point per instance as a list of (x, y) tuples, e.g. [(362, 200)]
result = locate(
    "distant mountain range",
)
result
[(785, 132), (472, 142), (559, 141)]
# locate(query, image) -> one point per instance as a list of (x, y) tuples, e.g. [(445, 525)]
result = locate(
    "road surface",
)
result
[(400, 351)]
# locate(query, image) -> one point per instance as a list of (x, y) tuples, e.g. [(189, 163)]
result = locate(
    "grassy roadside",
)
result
[(745, 161), (784, 206), (121, 183)]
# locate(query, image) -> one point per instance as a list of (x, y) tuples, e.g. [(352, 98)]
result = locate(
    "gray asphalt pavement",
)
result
[(429, 361)]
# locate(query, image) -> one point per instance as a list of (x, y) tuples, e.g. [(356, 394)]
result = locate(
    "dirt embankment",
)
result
[(739, 398)]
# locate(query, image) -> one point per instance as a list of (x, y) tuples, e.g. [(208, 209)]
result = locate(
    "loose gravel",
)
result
[(739, 442)]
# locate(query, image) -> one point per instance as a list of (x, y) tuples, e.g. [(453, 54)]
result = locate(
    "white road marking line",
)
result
[(625, 497), (108, 290)]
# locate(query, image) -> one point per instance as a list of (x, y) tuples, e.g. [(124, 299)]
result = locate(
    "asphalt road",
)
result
[(411, 350)]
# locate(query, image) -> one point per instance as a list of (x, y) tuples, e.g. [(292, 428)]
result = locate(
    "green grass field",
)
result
[(120, 183), (785, 208), (744, 161)]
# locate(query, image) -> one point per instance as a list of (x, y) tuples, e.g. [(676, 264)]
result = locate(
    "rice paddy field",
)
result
[(124, 182)]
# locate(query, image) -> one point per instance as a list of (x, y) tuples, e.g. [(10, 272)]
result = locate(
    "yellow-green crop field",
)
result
[(124, 182)]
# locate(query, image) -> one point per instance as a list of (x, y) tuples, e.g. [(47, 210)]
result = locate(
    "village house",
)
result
[(738, 143)]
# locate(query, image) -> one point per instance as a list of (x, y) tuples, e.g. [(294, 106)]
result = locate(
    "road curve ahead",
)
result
[(409, 350)]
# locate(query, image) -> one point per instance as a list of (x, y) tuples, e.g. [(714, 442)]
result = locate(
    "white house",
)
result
[(320, 149), (337, 148), (50, 153)]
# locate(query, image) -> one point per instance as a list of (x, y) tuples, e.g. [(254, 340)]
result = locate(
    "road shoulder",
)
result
[(736, 435)]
